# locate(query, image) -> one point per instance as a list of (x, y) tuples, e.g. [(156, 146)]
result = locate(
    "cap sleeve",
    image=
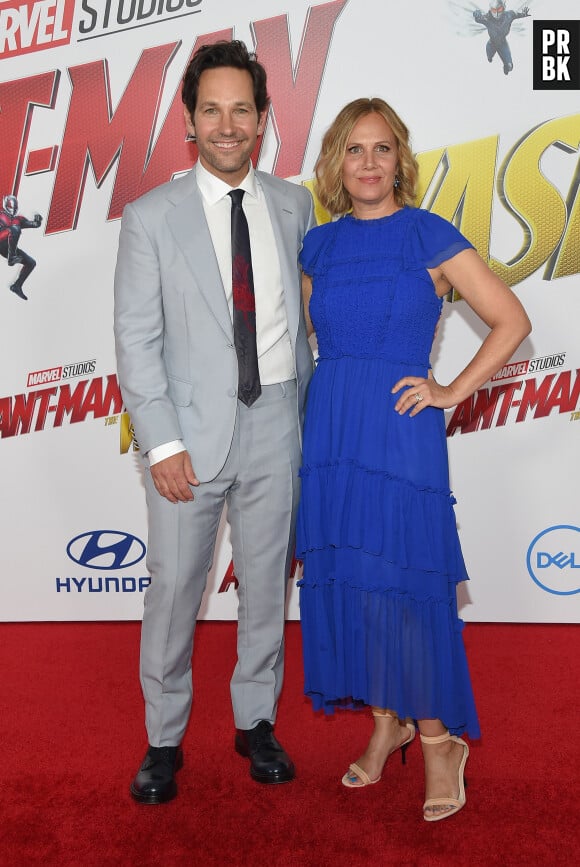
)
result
[(314, 242), (433, 240)]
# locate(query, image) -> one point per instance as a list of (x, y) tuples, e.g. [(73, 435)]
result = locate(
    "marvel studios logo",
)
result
[(556, 55)]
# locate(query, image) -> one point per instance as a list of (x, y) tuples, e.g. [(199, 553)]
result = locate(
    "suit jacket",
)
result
[(176, 358)]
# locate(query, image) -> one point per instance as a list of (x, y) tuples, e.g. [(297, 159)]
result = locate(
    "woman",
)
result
[(377, 532)]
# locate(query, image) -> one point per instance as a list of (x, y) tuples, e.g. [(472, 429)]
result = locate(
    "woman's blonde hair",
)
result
[(329, 187)]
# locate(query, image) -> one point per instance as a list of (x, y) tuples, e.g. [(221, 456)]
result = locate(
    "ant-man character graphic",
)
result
[(498, 22), (11, 225)]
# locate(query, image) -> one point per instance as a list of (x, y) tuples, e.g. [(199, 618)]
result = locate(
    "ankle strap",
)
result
[(381, 712), (437, 739)]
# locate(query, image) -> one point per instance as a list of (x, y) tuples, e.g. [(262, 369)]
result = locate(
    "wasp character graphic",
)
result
[(498, 23), (11, 225)]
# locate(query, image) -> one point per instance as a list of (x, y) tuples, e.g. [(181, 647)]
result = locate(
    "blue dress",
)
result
[(376, 524)]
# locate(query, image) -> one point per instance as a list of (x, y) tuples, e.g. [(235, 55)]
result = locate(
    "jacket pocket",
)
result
[(180, 391)]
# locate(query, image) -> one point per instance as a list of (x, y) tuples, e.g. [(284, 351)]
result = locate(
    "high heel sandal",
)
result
[(455, 804), (355, 772)]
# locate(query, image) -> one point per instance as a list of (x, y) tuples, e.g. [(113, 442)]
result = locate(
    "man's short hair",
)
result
[(219, 54)]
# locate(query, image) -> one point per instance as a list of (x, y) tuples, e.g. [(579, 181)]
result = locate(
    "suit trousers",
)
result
[(259, 483)]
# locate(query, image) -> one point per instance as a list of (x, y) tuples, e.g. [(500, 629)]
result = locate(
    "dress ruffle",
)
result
[(402, 525), (386, 649)]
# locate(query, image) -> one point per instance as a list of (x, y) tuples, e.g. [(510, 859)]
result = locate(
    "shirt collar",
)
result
[(213, 188)]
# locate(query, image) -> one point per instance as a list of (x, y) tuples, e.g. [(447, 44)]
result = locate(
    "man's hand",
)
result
[(37, 220), (173, 478)]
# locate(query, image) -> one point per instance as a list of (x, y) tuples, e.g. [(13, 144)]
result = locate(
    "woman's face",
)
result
[(370, 166)]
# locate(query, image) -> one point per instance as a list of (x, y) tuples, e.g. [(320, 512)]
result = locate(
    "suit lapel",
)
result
[(281, 216), (188, 226)]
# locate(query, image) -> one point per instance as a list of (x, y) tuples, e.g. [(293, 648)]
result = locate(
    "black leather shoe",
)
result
[(269, 763), (154, 784)]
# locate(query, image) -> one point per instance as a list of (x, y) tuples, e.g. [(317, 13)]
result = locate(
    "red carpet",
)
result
[(73, 738)]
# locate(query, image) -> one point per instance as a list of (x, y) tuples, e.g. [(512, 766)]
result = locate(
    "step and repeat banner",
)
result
[(91, 118)]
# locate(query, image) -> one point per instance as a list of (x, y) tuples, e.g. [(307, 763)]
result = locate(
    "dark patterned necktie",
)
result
[(249, 388)]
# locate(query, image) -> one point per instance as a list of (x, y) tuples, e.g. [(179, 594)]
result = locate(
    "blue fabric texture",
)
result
[(376, 524)]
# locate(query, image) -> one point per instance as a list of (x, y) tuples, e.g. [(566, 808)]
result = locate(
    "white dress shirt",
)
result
[(275, 359)]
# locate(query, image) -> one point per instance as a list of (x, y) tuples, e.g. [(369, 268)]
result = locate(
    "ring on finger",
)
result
[(418, 397)]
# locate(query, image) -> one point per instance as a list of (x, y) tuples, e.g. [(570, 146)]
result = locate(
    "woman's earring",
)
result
[(397, 183)]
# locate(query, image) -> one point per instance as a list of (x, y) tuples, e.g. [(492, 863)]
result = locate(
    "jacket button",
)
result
[(232, 392)]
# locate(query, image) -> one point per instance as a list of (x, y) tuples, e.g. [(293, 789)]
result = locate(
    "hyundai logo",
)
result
[(106, 549), (554, 560)]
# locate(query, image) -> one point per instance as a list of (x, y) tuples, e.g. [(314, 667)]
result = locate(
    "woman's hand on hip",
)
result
[(420, 393)]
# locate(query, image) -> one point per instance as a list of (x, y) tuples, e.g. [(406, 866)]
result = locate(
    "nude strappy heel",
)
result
[(356, 777), (454, 804)]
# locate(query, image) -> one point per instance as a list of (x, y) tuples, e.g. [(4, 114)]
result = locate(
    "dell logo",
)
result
[(553, 558), (106, 549), (561, 560)]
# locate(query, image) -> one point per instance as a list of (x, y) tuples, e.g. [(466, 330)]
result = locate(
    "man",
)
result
[(11, 225), (187, 333)]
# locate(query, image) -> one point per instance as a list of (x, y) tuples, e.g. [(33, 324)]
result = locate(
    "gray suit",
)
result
[(178, 374)]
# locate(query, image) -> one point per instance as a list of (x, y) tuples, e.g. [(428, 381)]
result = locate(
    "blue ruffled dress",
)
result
[(376, 524)]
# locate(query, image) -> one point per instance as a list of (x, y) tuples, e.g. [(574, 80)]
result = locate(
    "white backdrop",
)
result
[(90, 117)]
